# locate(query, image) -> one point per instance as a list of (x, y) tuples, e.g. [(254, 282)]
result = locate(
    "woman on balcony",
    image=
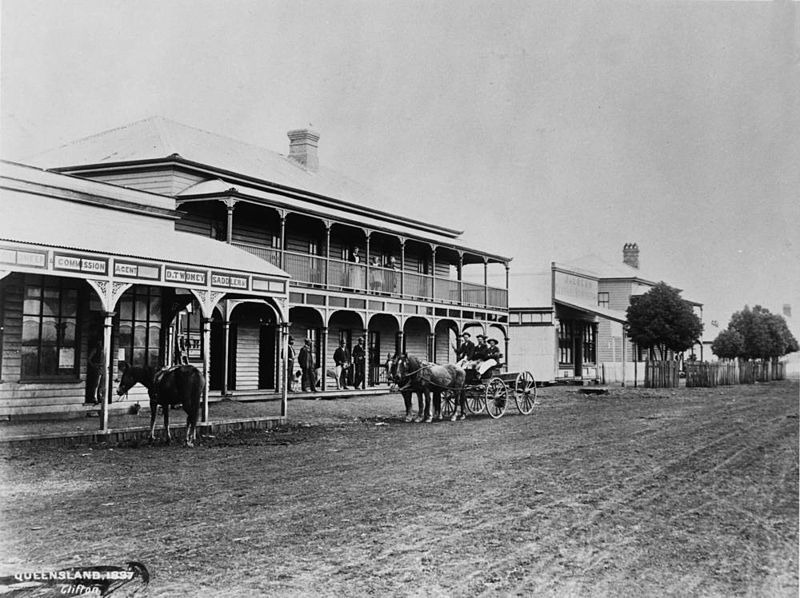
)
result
[(355, 277), (375, 282)]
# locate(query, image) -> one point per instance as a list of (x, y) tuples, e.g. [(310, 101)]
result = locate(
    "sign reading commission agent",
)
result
[(136, 270), (77, 263)]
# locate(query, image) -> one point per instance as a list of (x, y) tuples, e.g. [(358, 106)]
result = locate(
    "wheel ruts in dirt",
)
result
[(525, 392)]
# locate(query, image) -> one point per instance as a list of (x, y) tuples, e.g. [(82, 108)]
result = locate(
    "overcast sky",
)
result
[(545, 130)]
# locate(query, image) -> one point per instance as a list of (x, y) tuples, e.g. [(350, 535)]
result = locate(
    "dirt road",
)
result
[(638, 493)]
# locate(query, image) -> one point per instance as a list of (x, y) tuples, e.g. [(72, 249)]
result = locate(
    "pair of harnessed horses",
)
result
[(411, 375)]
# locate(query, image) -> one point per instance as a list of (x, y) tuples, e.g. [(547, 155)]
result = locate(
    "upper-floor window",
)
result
[(313, 248), (602, 300), (276, 241), (49, 324)]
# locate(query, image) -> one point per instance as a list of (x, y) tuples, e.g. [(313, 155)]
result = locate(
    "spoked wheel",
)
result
[(525, 392), (496, 398), (448, 403), (476, 402)]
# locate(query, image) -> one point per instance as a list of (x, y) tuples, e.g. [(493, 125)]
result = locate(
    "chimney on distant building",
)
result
[(630, 254), (303, 148)]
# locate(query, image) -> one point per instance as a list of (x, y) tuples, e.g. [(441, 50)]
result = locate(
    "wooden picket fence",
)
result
[(661, 374), (704, 374)]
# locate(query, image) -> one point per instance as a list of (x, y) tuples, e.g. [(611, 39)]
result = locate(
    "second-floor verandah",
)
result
[(331, 254)]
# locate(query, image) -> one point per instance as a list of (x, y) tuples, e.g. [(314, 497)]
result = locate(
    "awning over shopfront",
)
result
[(70, 227), (608, 314)]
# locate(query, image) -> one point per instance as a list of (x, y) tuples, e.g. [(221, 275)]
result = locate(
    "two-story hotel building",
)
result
[(355, 271)]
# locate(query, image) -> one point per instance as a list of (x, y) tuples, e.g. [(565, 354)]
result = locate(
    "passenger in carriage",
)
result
[(493, 358), (465, 351), (481, 352), (485, 357)]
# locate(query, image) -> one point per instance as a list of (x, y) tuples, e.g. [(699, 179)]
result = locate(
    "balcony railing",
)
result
[(273, 256), (311, 269)]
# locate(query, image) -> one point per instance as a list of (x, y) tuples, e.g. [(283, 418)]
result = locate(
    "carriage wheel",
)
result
[(448, 403), (525, 392), (475, 400), (496, 398)]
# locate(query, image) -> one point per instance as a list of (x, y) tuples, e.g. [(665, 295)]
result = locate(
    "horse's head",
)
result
[(401, 368), (395, 369), (129, 376)]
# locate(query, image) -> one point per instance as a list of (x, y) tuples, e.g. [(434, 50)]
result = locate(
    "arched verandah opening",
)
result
[(445, 341), (381, 344), (418, 337), (345, 326)]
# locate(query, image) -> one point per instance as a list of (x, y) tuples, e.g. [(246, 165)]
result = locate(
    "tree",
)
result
[(661, 319), (764, 335), (729, 344)]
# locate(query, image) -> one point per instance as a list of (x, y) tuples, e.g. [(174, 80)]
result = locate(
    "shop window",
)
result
[(49, 324), (602, 300), (589, 344), (140, 326), (565, 344), (190, 333)]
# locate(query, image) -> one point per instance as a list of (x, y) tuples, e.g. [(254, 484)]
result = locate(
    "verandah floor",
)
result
[(243, 409)]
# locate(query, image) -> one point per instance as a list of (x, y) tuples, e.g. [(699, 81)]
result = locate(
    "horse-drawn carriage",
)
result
[(491, 393), (452, 387)]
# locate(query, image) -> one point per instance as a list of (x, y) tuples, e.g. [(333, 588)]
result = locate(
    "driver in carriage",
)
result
[(480, 362)]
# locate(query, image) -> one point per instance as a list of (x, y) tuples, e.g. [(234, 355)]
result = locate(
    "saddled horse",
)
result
[(405, 389), (177, 385), (432, 379)]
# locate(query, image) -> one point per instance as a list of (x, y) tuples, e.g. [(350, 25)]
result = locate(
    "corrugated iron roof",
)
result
[(160, 138), (42, 216)]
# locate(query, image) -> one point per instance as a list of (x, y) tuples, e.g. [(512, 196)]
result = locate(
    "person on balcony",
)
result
[(355, 276), (375, 282), (360, 362), (395, 274), (464, 351)]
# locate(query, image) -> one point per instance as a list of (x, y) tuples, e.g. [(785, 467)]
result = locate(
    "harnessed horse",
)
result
[(402, 387), (429, 378), (178, 385)]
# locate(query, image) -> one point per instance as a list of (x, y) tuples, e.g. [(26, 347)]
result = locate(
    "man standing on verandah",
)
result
[(341, 358)]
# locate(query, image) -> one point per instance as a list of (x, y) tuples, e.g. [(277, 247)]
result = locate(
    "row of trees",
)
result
[(755, 334), (662, 321)]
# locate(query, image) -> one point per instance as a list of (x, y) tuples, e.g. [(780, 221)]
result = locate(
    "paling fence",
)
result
[(733, 372), (661, 374)]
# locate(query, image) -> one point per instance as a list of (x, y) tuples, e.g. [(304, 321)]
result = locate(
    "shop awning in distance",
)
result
[(74, 227), (608, 314)]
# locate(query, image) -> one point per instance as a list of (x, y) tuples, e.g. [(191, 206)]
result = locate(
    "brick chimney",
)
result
[(303, 148), (630, 254)]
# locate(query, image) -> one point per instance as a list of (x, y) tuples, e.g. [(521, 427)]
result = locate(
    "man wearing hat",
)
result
[(360, 361), (465, 350), (493, 357), (481, 352), (341, 360), (290, 356), (306, 359)]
